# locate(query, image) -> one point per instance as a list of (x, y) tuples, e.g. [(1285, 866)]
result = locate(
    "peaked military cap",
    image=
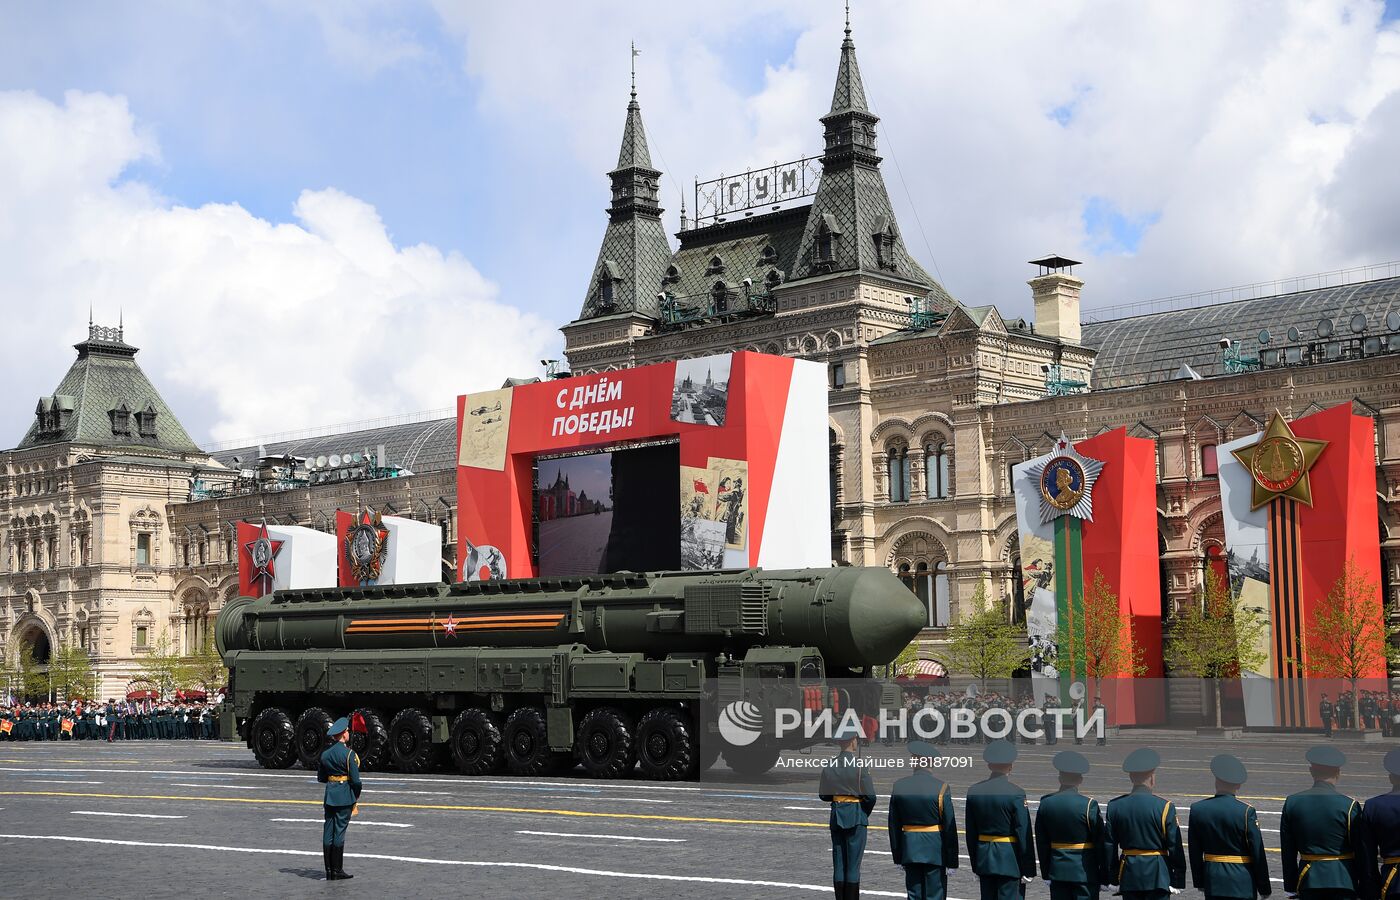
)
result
[(338, 727), (1228, 768), (1392, 761), (999, 753), (1143, 759), (1323, 755), (1070, 762), (922, 748)]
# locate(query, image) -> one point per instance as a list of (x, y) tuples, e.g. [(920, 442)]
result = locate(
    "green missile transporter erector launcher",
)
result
[(530, 676)]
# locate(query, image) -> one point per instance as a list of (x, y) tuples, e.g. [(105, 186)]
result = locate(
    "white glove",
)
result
[(1174, 890), (1025, 879)]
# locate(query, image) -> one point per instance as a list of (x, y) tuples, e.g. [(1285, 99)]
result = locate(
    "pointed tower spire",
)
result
[(635, 252), (851, 227), (850, 90)]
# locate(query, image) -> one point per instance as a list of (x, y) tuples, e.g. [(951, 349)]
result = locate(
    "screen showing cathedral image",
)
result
[(608, 512)]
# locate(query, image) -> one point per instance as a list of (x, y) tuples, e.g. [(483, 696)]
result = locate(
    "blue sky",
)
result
[(410, 195)]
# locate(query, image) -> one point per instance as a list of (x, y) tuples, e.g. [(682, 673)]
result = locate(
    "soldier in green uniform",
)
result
[(339, 771), (1143, 841), (1325, 710), (1321, 834), (1381, 817), (1227, 849), (1069, 834), (850, 789), (999, 828), (923, 830)]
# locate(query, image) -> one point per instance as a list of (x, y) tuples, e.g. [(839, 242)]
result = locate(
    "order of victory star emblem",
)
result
[(1065, 480), (1279, 464)]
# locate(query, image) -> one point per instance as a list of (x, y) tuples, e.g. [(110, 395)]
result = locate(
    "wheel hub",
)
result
[(470, 743), (407, 742), (658, 746)]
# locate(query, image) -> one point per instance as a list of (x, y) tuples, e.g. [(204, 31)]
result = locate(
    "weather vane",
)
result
[(635, 51)]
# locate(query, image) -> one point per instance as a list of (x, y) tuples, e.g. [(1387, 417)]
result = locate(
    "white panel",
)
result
[(797, 533), (415, 552), (1247, 555), (306, 560)]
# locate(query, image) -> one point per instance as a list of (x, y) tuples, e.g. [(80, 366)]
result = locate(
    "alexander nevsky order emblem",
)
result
[(366, 544), (1066, 482), (1279, 463)]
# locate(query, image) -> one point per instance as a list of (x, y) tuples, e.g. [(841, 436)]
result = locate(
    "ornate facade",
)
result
[(933, 400)]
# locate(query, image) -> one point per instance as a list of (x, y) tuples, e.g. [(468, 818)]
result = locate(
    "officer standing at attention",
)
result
[(1144, 851), (1321, 834), (1069, 834), (850, 789), (999, 828), (1325, 710), (923, 830), (339, 771), (1381, 820), (1227, 850)]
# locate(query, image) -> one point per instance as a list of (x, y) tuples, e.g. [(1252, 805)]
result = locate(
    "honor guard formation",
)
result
[(1333, 846), (127, 720)]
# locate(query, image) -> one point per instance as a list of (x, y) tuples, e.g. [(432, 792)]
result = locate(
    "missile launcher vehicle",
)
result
[(532, 676)]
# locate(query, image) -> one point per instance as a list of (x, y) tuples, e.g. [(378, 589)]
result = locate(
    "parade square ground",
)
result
[(180, 818)]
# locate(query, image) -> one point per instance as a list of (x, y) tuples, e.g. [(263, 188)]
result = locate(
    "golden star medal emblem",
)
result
[(1279, 463)]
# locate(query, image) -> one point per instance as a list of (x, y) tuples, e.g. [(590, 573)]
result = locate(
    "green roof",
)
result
[(105, 400)]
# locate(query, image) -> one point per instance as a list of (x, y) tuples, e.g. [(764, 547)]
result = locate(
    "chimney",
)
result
[(1056, 293)]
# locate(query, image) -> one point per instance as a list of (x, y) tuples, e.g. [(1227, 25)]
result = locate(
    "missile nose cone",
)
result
[(885, 616)]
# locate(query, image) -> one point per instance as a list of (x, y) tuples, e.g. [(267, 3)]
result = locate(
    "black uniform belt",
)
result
[(1325, 857), (1227, 858), (1144, 852), (919, 828), (996, 839), (338, 779)]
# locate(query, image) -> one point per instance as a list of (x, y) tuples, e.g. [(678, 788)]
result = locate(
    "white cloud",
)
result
[(1254, 136), (246, 326)]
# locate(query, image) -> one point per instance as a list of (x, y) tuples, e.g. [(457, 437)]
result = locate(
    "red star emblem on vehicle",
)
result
[(449, 627)]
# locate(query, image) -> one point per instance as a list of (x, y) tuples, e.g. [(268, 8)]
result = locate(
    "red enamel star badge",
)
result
[(449, 627)]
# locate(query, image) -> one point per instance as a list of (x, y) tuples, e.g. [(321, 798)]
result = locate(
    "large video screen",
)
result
[(608, 512)]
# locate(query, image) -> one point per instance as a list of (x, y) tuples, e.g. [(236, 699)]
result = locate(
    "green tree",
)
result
[(1102, 638), (1347, 636), (70, 671), (163, 668), (1213, 638), (24, 676), (206, 668), (984, 644)]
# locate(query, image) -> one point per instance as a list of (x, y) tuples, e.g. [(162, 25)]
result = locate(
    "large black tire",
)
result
[(411, 741), (604, 744), (527, 744), (666, 745), (372, 744), (755, 759), (311, 739), (477, 745), (273, 738)]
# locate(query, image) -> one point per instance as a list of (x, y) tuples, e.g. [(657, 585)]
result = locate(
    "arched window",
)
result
[(720, 293), (897, 474), (1215, 562), (937, 477), (1209, 466), (1017, 613)]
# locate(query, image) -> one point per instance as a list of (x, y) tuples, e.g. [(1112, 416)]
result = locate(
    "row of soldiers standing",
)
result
[(126, 721), (1332, 846), (1375, 708)]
